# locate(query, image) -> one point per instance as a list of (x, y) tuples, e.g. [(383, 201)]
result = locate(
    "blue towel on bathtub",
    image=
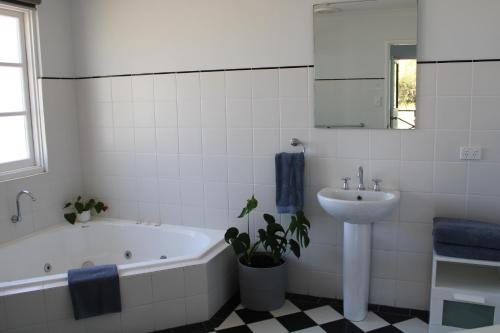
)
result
[(289, 182), (94, 291)]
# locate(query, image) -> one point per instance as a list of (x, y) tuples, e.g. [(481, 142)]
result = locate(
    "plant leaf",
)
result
[(295, 247), (90, 204), (79, 207), (244, 238), (100, 207), (231, 234), (68, 204), (251, 205), (70, 217), (269, 218), (238, 247)]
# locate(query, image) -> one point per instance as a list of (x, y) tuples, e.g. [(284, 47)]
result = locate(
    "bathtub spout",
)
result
[(18, 217)]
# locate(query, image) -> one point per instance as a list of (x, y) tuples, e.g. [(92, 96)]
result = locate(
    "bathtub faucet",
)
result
[(18, 217)]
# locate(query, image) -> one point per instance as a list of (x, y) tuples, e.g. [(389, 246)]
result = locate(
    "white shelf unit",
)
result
[(473, 285)]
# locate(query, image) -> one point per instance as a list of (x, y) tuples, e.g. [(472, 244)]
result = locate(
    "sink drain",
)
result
[(88, 264), (163, 257), (47, 268)]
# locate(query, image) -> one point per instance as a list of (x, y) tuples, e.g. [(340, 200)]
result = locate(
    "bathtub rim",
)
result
[(57, 280)]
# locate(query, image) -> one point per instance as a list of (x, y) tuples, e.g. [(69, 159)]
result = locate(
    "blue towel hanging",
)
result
[(289, 182), (94, 291)]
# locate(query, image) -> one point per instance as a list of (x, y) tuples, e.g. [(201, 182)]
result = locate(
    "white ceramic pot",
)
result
[(262, 289), (84, 216)]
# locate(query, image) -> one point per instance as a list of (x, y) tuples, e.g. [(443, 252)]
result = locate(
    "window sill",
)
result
[(22, 173)]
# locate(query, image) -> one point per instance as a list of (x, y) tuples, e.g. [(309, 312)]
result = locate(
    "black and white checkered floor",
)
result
[(306, 314)]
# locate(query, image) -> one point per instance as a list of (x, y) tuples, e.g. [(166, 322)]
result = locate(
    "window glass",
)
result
[(14, 144), (12, 92), (10, 42)]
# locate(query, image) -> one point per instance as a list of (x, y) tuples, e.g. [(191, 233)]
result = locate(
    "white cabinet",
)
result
[(464, 294)]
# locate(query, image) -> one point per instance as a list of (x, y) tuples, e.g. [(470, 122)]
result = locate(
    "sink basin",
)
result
[(358, 207)]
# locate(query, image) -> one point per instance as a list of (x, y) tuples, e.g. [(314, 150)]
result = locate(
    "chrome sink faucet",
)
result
[(361, 186), (18, 217)]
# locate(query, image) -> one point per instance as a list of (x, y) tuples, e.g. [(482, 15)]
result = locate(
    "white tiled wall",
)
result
[(62, 182), (190, 148)]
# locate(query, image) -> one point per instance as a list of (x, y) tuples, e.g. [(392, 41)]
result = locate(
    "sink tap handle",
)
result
[(345, 185), (376, 184)]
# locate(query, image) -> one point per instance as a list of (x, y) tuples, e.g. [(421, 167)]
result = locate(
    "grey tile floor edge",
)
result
[(307, 314)]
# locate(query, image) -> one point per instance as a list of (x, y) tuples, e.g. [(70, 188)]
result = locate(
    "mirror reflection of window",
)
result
[(403, 86)]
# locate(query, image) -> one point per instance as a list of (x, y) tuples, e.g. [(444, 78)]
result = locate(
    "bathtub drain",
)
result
[(163, 257), (47, 268), (128, 254)]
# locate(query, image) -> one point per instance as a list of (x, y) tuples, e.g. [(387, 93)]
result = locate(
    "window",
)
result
[(21, 130)]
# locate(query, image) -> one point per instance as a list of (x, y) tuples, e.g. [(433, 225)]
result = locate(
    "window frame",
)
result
[(37, 161)]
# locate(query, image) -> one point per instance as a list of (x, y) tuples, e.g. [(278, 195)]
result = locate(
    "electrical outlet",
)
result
[(470, 153)]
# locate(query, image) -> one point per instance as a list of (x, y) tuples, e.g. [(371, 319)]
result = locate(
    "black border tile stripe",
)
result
[(352, 79), (174, 72), (423, 62)]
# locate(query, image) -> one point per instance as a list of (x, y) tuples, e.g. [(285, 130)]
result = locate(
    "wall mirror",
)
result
[(365, 64)]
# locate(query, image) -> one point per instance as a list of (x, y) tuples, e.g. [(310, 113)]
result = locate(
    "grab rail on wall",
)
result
[(361, 125)]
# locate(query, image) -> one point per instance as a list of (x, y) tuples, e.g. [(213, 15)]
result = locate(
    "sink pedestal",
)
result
[(359, 210), (356, 266)]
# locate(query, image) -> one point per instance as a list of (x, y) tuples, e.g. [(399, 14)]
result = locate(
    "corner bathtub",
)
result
[(169, 276)]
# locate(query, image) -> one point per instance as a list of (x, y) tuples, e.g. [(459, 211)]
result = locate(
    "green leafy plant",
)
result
[(275, 240), (81, 205)]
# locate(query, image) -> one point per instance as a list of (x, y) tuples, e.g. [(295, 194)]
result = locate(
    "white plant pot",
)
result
[(84, 216)]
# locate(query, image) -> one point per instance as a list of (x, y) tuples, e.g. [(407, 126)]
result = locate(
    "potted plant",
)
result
[(262, 264), (83, 209)]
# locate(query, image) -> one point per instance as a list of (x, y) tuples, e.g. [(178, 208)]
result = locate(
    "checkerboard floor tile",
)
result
[(315, 315)]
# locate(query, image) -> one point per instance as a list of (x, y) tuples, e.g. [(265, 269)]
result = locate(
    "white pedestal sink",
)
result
[(358, 210)]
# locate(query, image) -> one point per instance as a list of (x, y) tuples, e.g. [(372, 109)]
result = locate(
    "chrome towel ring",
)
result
[(296, 142)]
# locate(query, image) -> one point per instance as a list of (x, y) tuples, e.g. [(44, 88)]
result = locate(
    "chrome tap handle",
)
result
[(361, 186), (345, 185), (376, 184)]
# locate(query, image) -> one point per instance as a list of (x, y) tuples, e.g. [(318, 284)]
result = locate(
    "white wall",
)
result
[(63, 181), (458, 29), (117, 36), (56, 43)]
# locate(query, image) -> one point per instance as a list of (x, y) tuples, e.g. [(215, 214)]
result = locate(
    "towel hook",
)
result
[(296, 142)]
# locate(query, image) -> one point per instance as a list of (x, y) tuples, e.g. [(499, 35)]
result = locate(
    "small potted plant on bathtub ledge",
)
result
[(262, 264), (83, 209)]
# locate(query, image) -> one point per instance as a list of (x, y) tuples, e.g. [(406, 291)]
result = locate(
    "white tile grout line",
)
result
[(156, 146), (468, 163)]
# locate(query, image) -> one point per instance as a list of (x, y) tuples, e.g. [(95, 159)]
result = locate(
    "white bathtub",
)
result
[(169, 275)]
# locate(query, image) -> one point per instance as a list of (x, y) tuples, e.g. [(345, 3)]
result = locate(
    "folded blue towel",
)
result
[(467, 233), (289, 182), (466, 252), (94, 291)]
